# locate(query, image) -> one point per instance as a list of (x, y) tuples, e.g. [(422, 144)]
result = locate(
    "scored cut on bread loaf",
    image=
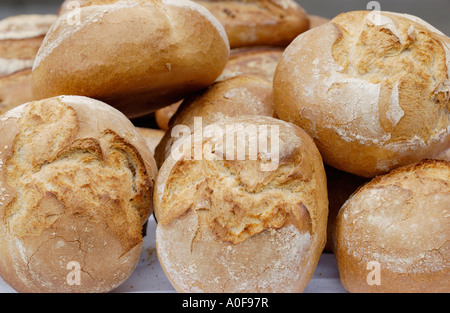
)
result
[(393, 234), (250, 224), (147, 54), (372, 90), (76, 187)]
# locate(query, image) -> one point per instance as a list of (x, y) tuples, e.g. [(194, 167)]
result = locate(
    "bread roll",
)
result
[(444, 155), (229, 224), (257, 61), (393, 234), (20, 39), (147, 54), (372, 89), (163, 116), (76, 184), (239, 95), (259, 22), (152, 137)]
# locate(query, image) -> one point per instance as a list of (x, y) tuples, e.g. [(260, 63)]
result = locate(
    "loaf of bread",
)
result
[(76, 186), (238, 95), (372, 89), (393, 234), (152, 137), (147, 54), (259, 22), (240, 218), (20, 39)]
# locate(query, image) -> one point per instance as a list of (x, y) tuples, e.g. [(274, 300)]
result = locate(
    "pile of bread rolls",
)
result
[(257, 136)]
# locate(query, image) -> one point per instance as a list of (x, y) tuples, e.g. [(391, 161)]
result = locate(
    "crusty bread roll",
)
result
[(372, 89), (164, 115), (147, 54), (393, 234), (20, 39), (152, 137), (340, 186), (238, 95), (76, 185), (259, 22), (444, 155), (229, 224)]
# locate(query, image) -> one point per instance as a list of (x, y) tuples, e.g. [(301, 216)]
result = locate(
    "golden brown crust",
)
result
[(373, 96), (259, 22), (152, 137), (257, 61), (239, 95), (400, 221), (272, 222), (77, 183), (163, 116), (15, 90), (147, 54), (316, 21)]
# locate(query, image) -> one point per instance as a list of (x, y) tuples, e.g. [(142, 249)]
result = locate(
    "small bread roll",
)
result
[(372, 89), (399, 225), (76, 185), (444, 155), (239, 95), (259, 22), (20, 39), (257, 61), (164, 115), (147, 54), (232, 224), (152, 137)]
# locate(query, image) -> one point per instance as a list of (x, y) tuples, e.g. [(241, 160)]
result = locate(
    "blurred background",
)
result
[(435, 12)]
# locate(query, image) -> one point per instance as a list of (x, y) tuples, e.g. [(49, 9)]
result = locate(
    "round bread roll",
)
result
[(152, 137), (393, 234), (20, 39), (340, 185), (264, 211), (257, 61), (372, 89), (259, 22), (76, 186), (238, 95), (147, 54), (163, 116)]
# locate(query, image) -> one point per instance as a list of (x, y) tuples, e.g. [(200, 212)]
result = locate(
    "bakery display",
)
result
[(235, 96), (371, 89), (148, 54), (393, 234), (76, 186), (214, 146), (20, 39), (219, 214)]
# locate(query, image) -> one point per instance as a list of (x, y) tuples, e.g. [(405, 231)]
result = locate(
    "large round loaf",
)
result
[(372, 89), (76, 187), (147, 54), (235, 217), (393, 234)]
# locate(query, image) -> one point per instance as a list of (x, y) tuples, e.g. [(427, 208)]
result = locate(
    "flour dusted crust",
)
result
[(219, 216), (401, 221), (235, 96), (76, 184), (147, 54), (259, 22), (372, 90)]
